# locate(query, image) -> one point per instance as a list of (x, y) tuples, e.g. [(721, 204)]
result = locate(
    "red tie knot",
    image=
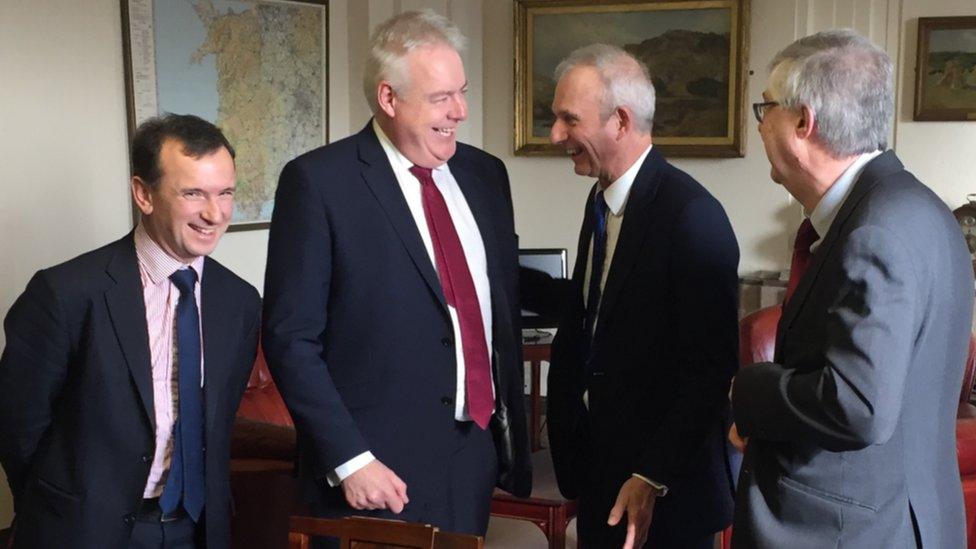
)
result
[(806, 235), (425, 175)]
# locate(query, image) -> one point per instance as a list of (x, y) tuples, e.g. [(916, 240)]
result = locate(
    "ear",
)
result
[(142, 195), (386, 98), (625, 121), (806, 123)]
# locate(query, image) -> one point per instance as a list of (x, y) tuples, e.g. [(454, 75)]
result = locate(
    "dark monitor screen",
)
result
[(551, 261)]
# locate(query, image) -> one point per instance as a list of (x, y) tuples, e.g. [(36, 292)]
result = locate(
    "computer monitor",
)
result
[(551, 261)]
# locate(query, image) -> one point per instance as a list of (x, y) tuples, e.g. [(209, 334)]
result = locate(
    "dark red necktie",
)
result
[(459, 292), (806, 235)]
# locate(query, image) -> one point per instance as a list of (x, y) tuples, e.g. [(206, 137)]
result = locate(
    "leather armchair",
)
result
[(263, 482)]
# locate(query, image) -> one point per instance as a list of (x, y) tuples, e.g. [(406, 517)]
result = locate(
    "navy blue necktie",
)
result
[(599, 256), (186, 470)]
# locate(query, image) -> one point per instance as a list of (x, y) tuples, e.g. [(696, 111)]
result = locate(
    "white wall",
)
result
[(63, 167)]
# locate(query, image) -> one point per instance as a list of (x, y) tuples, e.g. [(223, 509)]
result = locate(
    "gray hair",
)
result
[(847, 82), (394, 38), (626, 82)]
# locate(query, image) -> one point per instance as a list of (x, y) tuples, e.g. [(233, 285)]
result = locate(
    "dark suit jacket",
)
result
[(357, 332), (662, 356), (76, 417), (852, 428)]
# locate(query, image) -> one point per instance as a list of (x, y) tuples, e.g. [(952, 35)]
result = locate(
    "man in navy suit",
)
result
[(391, 318), (642, 360), (124, 367)]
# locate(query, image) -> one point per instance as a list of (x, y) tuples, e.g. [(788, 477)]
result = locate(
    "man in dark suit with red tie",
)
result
[(849, 431), (391, 317)]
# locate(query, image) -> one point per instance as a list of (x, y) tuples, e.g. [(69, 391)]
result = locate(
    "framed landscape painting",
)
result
[(945, 76), (255, 68), (695, 51)]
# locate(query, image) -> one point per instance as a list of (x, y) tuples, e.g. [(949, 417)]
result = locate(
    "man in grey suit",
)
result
[(849, 434)]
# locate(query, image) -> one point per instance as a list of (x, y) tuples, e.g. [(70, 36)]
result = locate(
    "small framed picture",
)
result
[(945, 75)]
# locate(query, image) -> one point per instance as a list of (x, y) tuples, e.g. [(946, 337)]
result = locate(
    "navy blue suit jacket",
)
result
[(357, 333), (663, 354), (77, 423)]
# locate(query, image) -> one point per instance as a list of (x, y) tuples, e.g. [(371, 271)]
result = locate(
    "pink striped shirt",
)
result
[(161, 297)]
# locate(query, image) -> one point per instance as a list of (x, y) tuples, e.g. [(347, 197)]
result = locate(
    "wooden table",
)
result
[(535, 354)]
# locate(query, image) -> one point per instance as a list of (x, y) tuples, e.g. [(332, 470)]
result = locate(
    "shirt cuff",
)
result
[(662, 490), (336, 477)]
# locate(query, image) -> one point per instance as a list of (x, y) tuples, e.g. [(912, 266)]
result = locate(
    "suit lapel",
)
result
[(379, 177), (217, 317), (636, 224), (127, 310), (479, 199), (873, 172)]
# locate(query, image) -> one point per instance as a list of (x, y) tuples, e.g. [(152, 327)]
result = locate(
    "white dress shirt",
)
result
[(824, 213), (474, 254), (615, 195)]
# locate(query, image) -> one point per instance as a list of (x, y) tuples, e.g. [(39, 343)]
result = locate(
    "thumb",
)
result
[(401, 489), (616, 513)]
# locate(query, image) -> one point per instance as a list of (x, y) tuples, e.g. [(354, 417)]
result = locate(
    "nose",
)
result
[(557, 134), (459, 108), (212, 212)]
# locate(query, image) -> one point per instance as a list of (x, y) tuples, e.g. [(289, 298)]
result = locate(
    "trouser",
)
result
[(154, 529), (459, 499)]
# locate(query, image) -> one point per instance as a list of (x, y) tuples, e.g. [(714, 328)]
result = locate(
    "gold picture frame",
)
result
[(945, 75), (699, 110)]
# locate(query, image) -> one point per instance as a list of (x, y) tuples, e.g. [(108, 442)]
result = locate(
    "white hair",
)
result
[(846, 81), (394, 38), (626, 82)]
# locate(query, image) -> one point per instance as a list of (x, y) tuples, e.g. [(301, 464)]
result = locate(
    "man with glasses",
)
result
[(849, 432)]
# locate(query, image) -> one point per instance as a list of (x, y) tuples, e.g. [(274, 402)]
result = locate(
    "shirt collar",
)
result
[(823, 215), (617, 192), (157, 264), (397, 160)]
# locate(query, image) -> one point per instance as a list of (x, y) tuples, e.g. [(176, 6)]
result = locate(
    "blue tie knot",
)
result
[(185, 280)]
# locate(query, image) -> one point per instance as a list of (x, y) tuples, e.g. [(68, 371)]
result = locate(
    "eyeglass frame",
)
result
[(759, 109)]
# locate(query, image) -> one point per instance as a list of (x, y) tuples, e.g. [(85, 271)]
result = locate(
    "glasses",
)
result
[(759, 109)]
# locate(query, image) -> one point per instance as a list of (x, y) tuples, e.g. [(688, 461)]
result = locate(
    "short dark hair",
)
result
[(198, 137)]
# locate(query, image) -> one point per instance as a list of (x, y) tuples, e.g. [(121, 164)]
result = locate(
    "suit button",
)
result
[(446, 341), (447, 401), (145, 458), (129, 519)]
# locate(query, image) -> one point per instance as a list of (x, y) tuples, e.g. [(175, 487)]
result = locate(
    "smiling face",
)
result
[(189, 209), (425, 114), (579, 128)]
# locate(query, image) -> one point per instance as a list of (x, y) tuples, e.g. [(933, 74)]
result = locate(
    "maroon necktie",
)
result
[(459, 292), (806, 235)]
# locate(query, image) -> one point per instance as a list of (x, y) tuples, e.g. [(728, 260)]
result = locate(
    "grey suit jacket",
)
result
[(852, 428)]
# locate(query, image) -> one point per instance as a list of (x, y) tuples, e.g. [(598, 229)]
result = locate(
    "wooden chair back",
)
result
[(371, 533)]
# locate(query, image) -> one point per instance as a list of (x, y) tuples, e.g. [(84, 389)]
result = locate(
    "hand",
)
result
[(375, 486), (636, 498), (736, 440)]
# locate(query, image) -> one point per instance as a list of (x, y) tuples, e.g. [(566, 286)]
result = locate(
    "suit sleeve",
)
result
[(297, 282), (852, 398), (32, 372), (704, 282)]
